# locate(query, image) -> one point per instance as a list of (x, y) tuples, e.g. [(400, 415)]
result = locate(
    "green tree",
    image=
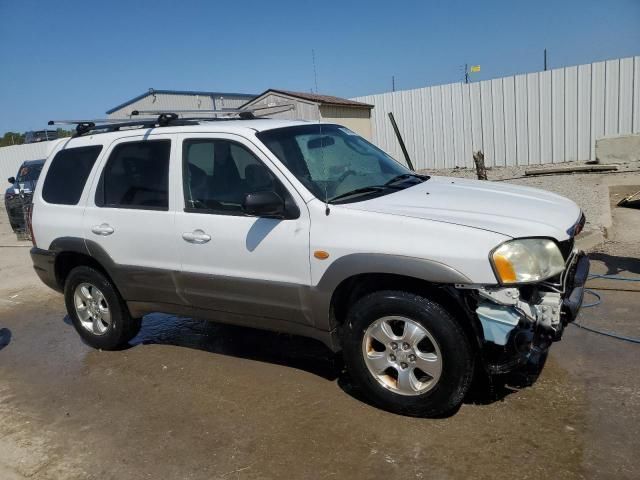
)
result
[(11, 138), (63, 133)]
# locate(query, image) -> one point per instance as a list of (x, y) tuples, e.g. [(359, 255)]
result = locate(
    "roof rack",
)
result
[(242, 113), (111, 125), (164, 118)]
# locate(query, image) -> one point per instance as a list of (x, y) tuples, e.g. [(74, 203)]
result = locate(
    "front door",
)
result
[(232, 262)]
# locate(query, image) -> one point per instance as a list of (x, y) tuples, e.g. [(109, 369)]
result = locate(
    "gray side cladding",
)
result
[(286, 307)]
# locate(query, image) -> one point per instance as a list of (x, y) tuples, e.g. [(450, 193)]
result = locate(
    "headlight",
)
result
[(527, 260)]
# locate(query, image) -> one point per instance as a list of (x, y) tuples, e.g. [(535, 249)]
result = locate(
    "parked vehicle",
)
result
[(309, 229), (40, 136), (20, 192)]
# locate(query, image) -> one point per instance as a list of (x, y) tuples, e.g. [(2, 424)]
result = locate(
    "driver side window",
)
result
[(217, 175)]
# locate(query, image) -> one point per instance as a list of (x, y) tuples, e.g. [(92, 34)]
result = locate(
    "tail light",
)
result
[(29, 216)]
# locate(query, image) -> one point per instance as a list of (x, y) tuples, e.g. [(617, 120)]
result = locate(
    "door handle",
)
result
[(103, 229), (197, 236)]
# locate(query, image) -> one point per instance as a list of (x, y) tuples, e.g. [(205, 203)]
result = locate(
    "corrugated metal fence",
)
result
[(542, 117), (12, 157)]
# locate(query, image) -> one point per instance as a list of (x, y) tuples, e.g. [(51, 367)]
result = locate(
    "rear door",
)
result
[(232, 262), (129, 220)]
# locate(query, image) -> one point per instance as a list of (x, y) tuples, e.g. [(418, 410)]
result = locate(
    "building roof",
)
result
[(248, 96), (316, 98)]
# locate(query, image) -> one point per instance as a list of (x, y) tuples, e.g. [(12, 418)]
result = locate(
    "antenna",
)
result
[(315, 79), (315, 74)]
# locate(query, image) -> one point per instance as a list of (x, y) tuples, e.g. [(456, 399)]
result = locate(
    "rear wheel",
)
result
[(98, 312), (407, 354)]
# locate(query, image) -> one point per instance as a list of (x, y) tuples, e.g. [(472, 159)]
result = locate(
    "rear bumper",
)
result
[(44, 262)]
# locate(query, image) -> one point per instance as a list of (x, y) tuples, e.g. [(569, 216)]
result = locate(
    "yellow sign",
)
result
[(475, 68)]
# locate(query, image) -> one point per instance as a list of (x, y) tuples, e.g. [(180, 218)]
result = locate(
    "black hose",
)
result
[(599, 301)]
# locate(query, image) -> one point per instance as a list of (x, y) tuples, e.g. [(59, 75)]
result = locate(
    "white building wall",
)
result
[(542, 117), (303, 110)]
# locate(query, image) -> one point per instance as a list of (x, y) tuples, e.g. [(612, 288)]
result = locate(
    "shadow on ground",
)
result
[(5, 337), (617, 264), (291, 351)]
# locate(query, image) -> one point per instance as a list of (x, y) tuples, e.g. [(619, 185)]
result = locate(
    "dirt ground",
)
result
[(195, 400)]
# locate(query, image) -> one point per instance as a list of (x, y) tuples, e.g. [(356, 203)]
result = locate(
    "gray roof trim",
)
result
[(311, 98)]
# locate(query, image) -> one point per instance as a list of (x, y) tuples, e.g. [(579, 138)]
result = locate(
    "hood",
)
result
[(507, 209)]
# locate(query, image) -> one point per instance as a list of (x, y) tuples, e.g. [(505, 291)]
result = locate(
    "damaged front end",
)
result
[(519, 323)]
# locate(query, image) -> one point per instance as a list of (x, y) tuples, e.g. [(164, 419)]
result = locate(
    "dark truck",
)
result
[(19, 194)]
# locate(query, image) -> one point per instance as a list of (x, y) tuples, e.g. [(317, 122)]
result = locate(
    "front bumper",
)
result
[(521, 323), (548, 306), (574, 292)]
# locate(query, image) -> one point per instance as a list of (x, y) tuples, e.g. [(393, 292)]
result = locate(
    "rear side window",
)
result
[(68, 173), (136, 176)]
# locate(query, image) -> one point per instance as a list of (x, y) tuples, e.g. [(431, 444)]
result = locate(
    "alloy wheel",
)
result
[(402, 355), (92, 308)]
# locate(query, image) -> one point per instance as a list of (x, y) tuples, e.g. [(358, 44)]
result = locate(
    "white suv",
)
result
[(308, 229)]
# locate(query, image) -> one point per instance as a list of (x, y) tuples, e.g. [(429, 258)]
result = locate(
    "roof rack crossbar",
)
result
[(163, 118), (94, 121)]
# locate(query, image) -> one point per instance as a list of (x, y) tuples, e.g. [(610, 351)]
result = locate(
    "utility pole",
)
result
[(468, 71), (545, 59), (393, 83)]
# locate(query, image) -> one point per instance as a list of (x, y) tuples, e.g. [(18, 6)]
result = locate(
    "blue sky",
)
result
[(79, 58)]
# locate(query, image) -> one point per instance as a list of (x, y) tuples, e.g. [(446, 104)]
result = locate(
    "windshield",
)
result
[(29, 173), (336, 164)]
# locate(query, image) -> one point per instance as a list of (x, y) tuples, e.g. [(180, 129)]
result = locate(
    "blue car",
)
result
[(20, 192)]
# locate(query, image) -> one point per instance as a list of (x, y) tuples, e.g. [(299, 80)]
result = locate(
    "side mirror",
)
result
[(263, 204), (12, 180)]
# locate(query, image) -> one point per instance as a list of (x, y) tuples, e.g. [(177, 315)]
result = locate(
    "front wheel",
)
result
[(407, 354)]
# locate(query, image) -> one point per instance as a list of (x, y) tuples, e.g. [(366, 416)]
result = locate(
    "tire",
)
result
[(14, 225), (528, 374), (436, 394), (104, 324)]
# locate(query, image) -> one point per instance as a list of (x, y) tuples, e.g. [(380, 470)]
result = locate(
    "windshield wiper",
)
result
[(404, 176), (369, 189), (378, 188)]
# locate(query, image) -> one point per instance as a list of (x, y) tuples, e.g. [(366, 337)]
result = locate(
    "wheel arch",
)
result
[(356, 287), (71, 252), (353, 276), (68, 260)]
